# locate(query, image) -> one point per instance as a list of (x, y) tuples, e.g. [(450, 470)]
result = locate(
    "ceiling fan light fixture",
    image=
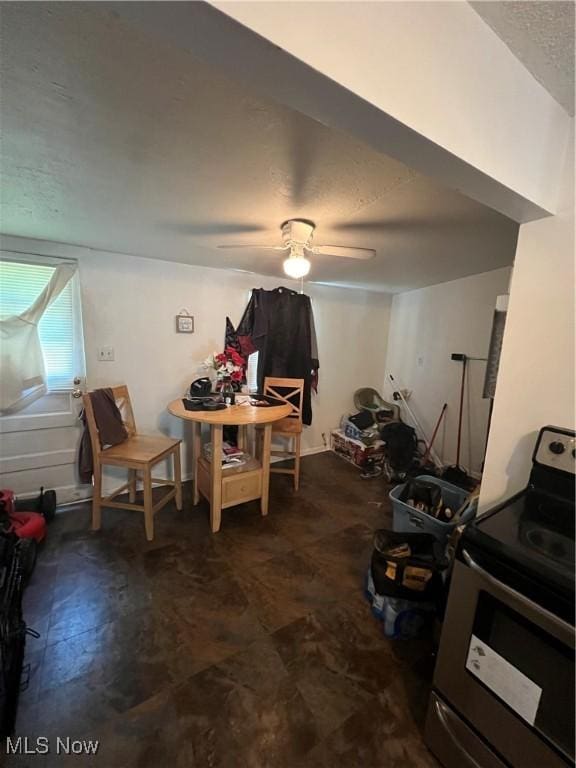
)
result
[(296, 266)]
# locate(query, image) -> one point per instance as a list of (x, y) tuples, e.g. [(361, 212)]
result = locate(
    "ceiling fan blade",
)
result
[(344, 251), (253, 247), (402, 224), (375, 225)]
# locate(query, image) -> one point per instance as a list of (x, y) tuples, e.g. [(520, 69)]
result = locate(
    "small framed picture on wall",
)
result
[(184, 322)]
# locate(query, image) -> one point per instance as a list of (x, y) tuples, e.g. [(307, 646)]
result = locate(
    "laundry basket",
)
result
[(411, 520)]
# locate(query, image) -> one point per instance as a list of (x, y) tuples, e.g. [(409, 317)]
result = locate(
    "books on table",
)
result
[(232, 456)]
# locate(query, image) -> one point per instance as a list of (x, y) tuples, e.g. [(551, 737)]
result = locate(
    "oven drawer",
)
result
[(453, 742)]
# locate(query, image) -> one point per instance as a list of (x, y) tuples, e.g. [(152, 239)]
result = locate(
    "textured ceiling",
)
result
[(541, 36), (121, 142)]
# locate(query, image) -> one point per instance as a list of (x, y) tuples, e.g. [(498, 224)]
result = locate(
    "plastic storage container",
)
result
[(411, 520), (403, 618), (400, 618)]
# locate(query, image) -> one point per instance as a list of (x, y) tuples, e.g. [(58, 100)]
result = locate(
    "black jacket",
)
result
[(280, 325)]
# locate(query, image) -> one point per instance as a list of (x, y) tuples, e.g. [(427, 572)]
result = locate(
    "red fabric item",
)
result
[(7, 501), (246, 345), (28, 525)]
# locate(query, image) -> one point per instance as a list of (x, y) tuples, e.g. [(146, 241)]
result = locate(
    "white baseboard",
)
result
[(317, 449)]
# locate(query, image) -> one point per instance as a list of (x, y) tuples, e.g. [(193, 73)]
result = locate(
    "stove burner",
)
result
[(530, 535), (551, 544)]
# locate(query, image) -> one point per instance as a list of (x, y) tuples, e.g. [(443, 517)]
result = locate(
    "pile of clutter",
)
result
[(376, 440), (406, 582), (424, 496), (360, 426), (231, 455)]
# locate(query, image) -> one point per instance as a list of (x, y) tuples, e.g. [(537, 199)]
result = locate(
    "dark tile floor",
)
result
[(252, 648)]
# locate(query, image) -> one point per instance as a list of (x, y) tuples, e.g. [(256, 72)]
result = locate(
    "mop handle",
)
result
[(416, 423), (464, 361), (436, 428)]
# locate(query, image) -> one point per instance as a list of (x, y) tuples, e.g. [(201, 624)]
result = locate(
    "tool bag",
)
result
[(404, 565)]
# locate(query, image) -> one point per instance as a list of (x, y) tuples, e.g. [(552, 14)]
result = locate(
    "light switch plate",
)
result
[(106, 354)]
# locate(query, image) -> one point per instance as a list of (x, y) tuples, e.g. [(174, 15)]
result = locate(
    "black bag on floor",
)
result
[(401, 445), (404, 566), (45, 504)]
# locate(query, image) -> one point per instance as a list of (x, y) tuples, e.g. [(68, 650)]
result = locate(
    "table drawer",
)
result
[(242, 487)]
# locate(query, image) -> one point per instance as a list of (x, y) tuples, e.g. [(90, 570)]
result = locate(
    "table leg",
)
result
[(132, 479), (265, 459), (196, 453), (242, 442), (216, 478)]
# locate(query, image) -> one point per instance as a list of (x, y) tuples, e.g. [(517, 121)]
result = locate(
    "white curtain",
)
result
[(23, 375)]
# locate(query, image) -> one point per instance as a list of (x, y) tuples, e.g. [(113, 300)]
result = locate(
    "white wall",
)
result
[(129, 303), (426, 327), (437, 68), (536, 376)]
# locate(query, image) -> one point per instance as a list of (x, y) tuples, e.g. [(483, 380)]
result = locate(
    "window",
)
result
[(252, 372), (59, 329)]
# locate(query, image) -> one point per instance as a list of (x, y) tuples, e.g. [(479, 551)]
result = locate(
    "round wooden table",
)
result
[(234, 485)]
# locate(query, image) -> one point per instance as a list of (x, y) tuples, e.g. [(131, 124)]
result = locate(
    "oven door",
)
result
[(507, 666)]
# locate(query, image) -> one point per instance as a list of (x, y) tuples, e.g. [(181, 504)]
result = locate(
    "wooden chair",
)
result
[(138, 453), (292, 392)]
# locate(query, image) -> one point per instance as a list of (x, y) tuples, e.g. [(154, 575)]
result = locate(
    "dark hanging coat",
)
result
[(279, 324), (111, 430)]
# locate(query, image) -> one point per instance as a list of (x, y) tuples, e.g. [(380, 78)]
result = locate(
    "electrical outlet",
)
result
[(106, 354)]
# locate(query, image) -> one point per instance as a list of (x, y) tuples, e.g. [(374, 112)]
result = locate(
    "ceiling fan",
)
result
[(297, 239)]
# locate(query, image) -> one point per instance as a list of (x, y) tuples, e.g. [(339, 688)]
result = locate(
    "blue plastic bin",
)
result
[(400, 618), (408, 519)]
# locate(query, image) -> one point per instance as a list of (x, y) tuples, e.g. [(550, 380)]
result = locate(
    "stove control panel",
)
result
[(556, 448)]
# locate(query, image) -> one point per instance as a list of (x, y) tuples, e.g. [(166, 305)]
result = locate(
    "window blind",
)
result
[(20, 284)]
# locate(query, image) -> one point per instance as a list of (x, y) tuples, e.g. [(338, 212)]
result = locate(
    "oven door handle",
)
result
[(517, 596)]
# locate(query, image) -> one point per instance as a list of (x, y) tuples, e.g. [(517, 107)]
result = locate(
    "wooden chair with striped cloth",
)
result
[(138, 454)]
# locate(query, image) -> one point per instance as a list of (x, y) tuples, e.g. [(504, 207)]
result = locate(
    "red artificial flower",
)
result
[(236, 376), (221, 358), (234, 356)]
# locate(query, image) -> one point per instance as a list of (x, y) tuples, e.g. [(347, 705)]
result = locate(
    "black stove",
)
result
[(528, 540), (503, 692)]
